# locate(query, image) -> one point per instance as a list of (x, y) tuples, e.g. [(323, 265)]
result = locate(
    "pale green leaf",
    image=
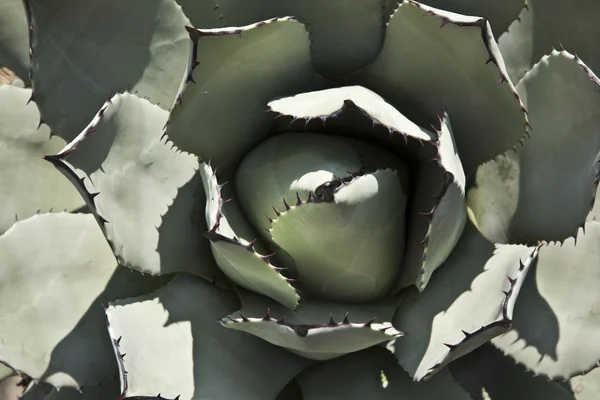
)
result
[(150, 193), (319, 329), (345, 35), (174, 347), (468, 301), (28, 184), (555, 327), (545, 190), (237, 71), (434, 60), (83, 53)]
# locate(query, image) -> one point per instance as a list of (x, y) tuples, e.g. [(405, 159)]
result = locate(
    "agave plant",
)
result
[(299, 200)]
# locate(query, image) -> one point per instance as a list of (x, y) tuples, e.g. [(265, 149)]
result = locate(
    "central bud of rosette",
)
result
[(332, 207)]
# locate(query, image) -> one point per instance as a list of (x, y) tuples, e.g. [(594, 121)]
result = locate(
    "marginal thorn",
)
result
[(368, 324), (243, 317), (331, 321), (346, 321), (267, 316)]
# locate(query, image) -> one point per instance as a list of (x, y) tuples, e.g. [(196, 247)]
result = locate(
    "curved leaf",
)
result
[(486, 371), (330, 103), (545, 190), (150, 193), (232, 74), (54, 267), (468, 301), (282, 185), (555, 321), (431, 60), (105, 390), (14, 38), (499, 14), (235, 253), (174, 347), (355, 112), (83, 54), (345, 35), (28, 184), (373, 374), (319, 329), (438, 211), (551, 23)]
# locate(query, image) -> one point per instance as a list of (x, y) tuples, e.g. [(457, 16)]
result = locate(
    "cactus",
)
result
[(258, 200)]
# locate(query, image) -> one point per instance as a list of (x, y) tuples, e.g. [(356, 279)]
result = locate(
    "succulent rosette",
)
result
[(299, 200)]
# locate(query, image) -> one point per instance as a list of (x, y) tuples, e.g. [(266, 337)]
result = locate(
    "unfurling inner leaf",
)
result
[(341, 198)]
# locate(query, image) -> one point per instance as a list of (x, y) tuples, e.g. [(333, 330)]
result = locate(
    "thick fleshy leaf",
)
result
[(174, 347), (551, 23), (330, 103), (28, 184), (322, 192), (431, 60), (234, 251), (468, 301), (438, 211), (373, 374), (345, 35), (499, 14), (54, 267), (332, 255), (82, 55), (555, 326), (516, 197), (14, 38), (150, 193), (229, 82), (319, 329), (105, 390), (355, 112), (488, 374)]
